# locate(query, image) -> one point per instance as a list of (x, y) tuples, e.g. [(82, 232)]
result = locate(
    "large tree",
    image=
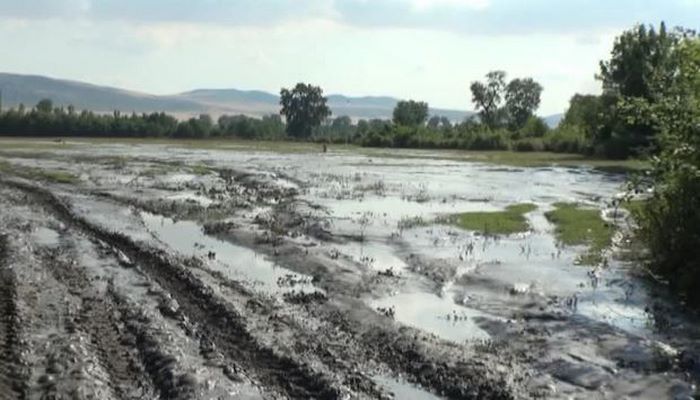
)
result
[(410, 113), (304, 107), (641, 59), (522, 100), (642, 66), (669, 220), (487, 97)]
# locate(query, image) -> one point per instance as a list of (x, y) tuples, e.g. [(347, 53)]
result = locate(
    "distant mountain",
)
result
[(29, 89), (553, 120), (259, 103)]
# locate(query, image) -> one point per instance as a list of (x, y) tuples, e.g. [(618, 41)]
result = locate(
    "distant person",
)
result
[(325, 148)]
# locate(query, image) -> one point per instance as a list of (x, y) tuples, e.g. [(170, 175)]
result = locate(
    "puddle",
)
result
[(373, 255), (235, 262), (110, 216), (434, 314), (46, 237), (404, 390), (630, 318)]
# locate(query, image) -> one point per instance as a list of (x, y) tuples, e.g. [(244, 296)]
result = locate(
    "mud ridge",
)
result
[(99, 320), (13, 373)]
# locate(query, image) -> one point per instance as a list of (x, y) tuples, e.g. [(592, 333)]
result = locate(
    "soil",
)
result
[(316, 276)]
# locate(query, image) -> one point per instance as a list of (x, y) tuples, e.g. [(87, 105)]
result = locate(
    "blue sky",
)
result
[(422, 49)]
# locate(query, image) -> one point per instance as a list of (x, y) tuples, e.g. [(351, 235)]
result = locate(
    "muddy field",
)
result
[(141, 271)]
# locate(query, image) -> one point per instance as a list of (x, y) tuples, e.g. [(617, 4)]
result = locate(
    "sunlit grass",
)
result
[(37, 174), (200, 169), (506, 222), (578, 225)]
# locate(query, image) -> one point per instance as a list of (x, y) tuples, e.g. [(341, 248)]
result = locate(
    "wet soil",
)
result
[(318, 276)]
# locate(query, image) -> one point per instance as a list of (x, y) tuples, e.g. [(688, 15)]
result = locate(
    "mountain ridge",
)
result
[(29, 89)]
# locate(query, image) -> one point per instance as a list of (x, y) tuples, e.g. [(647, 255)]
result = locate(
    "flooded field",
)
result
[(174, 272)]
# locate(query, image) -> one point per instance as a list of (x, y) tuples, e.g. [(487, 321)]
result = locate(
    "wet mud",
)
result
[(329, 276)]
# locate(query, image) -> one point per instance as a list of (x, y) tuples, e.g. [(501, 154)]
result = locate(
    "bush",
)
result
[(529, 144), (567, 139), (534, 127)]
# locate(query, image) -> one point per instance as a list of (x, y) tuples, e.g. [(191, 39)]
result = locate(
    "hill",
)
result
[(29, 89)]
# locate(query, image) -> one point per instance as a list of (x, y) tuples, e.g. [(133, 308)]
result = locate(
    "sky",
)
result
[(428, 50)]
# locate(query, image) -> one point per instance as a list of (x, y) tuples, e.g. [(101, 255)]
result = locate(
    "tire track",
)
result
[(13, 374), (120, 339), (220, 323)]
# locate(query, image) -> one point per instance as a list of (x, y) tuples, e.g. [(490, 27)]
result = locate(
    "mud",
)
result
[(269, 275)]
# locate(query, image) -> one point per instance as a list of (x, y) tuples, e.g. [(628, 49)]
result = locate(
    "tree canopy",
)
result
[(640, 61), (669, 220), (410, 113), (521, 95), (305, 108), (522, 100), (487, 97)]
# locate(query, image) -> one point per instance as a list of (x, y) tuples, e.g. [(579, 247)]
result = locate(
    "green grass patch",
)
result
[(200, 169), (506, 222), (576, 225), (635, 207), (37, 174)]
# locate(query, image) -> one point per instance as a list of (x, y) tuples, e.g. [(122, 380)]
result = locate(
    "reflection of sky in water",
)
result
[(374, 255), (236, 262), (430, 313), (449, 186)]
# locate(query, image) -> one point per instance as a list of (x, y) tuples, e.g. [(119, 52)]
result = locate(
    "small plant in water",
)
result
[(389, 312), (409, 223), (364, 221)]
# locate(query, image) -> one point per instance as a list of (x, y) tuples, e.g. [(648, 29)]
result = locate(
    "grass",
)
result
[(517, 159), (510, 158), (635, 207), (506, 222), (576, 225), (200, 169), (37, 174)]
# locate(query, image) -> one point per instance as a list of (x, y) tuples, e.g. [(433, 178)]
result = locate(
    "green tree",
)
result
[(439, 122), (305, 108), (410, 113), (534, 127), (642, 66), (640, 60), (44, 106), (487, 98), (669, 220), (586, 112), (522, 100), (434, 122)]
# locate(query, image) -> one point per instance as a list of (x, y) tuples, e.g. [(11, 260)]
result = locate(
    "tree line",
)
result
[(46, 120), (649, 106), (600, 125)]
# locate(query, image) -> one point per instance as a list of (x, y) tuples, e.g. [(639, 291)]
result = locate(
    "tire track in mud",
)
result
[(218, 322), (102, 322), (13, 374)]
